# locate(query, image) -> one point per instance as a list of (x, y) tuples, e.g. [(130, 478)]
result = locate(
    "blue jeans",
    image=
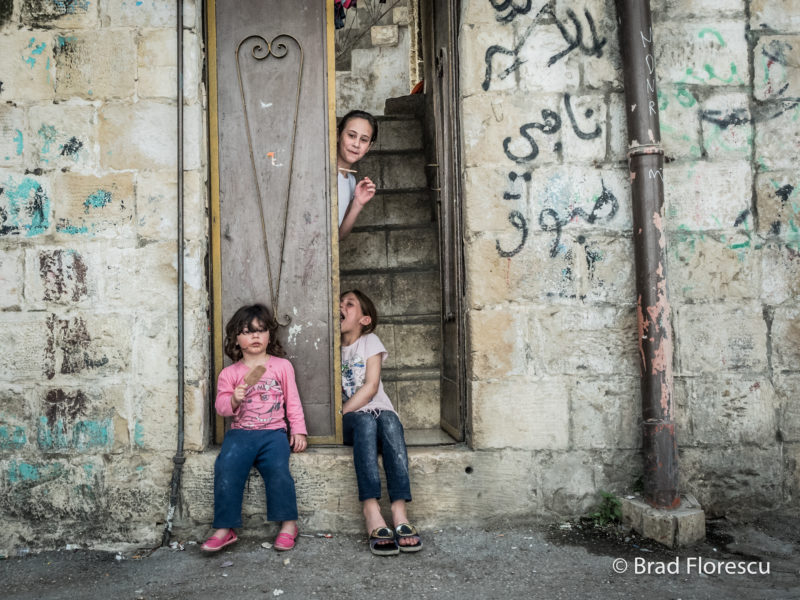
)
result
[(369, 435), (267, 450)]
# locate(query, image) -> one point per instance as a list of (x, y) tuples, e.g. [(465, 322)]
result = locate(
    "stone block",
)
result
[(585, 129), (384, 35), (158, 13), (777, 137), (11, 278), (17, 430), (42, 15), (407, 172), (398, 134), (62, 136), (96, 206), (156, 205), (363, 250), (785, 337), (720, 338), (513, 131), (85, 69), (417, 403), (731, 410), (475, 11), (580, 341), (27, 67), (25, 206), (25, 333), (778, 15), (545, 66), (727, 127), (688, 204), (605, 268), (678, 527), (499, 346), (776, 66), (157, 415), (688, 9), (12, 137), (413, 345), (780, 279), (57, 275), (725, 479), (606, 413), (679, 122), (702, 55), (786, 386), (408, 209), (418, 248), (143, 136), (400, 16), (569, 483), (491, 196), (416, 293), (157, 65), (778, 199), (540, 420), (704, 266), (618, 129), (127, 268), (475, 43)]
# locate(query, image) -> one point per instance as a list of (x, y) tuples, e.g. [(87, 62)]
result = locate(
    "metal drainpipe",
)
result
[(646, 161), (178, 459)]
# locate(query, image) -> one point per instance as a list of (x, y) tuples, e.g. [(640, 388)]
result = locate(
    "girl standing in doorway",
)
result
[(356, 132)]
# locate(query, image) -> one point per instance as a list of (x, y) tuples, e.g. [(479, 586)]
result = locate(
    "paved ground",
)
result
[(561, 561)]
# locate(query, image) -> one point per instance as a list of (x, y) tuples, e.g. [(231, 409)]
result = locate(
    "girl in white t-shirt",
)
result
[(371, 425), (355, 134)]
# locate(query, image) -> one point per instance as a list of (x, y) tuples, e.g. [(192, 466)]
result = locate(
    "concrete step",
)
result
[(397, 171), (397, 208), (398, 133), (398, 293), (411, 104), (416, 248)]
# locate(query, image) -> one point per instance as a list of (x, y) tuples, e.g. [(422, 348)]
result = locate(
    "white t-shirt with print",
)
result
[(354, 371)]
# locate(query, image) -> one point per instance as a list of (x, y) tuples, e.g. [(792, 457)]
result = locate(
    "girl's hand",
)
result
[(298, 442), (238, 395), (365, 190)]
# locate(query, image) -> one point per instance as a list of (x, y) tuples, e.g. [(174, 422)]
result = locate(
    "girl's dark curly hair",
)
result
[(242, 319)]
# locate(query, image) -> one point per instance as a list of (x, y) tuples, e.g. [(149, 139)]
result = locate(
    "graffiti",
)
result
[(98, 199), (490, 53), (551, 124), (72, 147), (723, 121), (24, 208), (605, 208), (576, 41), (501, 6), (12, 440), (63, 275), (512, 176), (584, 135), (69, 340), (518, 222)]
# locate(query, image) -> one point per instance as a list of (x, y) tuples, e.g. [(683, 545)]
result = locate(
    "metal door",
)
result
[(271, 132), (445, 102)]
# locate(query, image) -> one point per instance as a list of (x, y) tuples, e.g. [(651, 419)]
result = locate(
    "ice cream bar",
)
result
[(254, 375)]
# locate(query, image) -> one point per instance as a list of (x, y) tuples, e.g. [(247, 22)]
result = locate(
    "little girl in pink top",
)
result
[(257, 436)]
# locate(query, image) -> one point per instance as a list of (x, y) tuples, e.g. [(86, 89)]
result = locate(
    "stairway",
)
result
[(392, 255)]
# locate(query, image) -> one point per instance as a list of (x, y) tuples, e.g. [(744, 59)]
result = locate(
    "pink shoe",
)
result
[(214, 544), (285, 541)]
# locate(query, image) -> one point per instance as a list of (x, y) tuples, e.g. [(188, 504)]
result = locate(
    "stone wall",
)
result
[(88, 267), (550, 276)]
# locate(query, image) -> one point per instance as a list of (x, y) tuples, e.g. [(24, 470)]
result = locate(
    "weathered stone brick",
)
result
[(779, 15), (605, 268), (414, 345), (690, 204), (59, 276), (156, 205), (788, 408), (785, 335), (720, 338), (85, 68), (62, 137), (27, 66), (26, 333), (777, 136), (398, 209), (12, 136), (606, 413), (776, 66), (731, 410), (705, 266), (16, 421), (702, 55), (727, 127), (780, 267), (417, 403), (159, 13), (96, 206), (579, 340), (25, 206), (384, 35), (618, 129), (38, 14), (570, 483), (778, 198), (538, 421), (585, 131), (688, 9), (475, 42), (363, 250), (546, 62), (127, 268), (499, 345), (413, 248), (398, 134), (11, 278), (679, 121), (157, 67)]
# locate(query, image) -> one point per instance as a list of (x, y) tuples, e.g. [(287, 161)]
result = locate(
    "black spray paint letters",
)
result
[(517, 222), (576, 41), (584, 135), (512, 176), (551, 124), (513, 9), (604, 209)]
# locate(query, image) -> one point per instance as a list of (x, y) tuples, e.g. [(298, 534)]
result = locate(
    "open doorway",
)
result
[(405, 249)]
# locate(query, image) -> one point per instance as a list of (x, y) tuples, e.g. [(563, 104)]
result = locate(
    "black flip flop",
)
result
[(407, 530), (382, 542)]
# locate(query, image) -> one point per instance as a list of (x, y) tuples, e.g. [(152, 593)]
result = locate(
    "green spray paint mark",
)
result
[(28, 208), (14, 440), (138, 435), (99, 199), (20, 472), (91, 434), (30, 60), (48, 135), (713, 32), (71, 229), (18, 142), (685, 97), (51, 438)]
